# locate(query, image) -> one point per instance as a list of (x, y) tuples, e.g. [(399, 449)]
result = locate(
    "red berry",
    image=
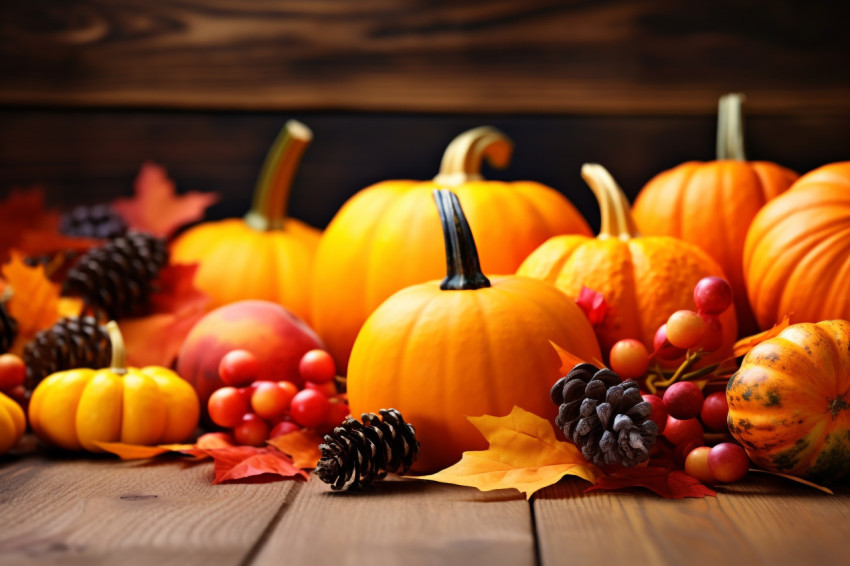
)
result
[(683, 400), (269, 400), (715, 410), (251, 430), (227, 406), (282, 428), (682, 431), (696, 465), (309, 408), (659, 412), (317, 366), (685, 329), (328, 388), (728, 462), (663, 348), (12, 372), (238, 367), (713, 337), (712, 295), (629, 358), (337, 413)]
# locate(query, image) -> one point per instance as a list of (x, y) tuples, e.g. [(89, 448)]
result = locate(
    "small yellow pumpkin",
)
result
[(78, 408), (13, 423)]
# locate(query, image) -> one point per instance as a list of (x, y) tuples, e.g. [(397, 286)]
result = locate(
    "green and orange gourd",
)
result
[(13, 423)]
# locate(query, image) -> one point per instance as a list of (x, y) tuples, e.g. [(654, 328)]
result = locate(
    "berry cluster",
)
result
[(13, 371), (260, 410)]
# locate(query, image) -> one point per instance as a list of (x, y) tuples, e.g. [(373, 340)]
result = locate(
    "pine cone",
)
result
[(68, 344), (96, 221), (117, 278), (8, 329), (604, 416), (358, 453)]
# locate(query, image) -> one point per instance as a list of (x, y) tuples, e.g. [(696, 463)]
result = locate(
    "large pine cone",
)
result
[(356, 454), (8, 329), (604, 416), (117, 278), (70, 343)]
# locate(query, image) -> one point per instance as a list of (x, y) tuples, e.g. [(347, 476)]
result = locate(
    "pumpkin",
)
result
[(387, 236), (797, 252), (266, 255), (467, 346), (711, 204), (789, 403), (13, 423), (644, 279), (78, 408)]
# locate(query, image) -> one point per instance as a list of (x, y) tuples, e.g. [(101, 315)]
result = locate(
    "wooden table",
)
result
[(98, 510)]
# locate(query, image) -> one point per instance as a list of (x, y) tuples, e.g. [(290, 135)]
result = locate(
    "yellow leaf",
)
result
[(747, 343), (35, 299), (524, 454), (302, 445)]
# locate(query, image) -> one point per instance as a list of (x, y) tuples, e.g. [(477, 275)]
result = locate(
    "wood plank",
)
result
[(760, 521), (535, 56), (409, 522), (70, 511)]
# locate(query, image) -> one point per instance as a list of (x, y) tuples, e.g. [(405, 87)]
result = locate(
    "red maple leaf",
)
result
[(670, 484), (241, 462), (593, 305), (156, 207)]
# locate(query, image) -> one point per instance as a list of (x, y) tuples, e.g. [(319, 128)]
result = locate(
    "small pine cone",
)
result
[(68, 344), (117, 278), (604, 416), (96, 221), (8, 329), (355, 453)]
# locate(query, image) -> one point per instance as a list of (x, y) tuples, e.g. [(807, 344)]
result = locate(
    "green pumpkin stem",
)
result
[(730, 127), (464, 155), (463, 271), (616, 215), (119, 352), (271, 195)]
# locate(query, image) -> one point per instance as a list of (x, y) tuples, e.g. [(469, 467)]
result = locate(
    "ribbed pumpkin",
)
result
[(265, 256), (711, 204), (643, 278), (789, 403), (76, 409), (13, 423), (387, 236), (467, 346), (797, 253)]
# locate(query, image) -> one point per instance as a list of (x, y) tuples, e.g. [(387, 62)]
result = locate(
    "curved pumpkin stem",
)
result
[(730, 127), (464, 155), (119, 352), (463, 270), (617, 220), (271, 195)]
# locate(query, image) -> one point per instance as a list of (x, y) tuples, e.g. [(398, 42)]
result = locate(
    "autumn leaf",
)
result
[(156, 208), (670, 484), (593, 305), (523, 454), (140, 452), (215, 441), (241, 462), (747, 343), (302, 445), (570, 360)]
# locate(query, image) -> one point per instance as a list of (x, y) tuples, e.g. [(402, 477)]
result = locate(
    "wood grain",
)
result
[(102, 511), (533, 56), (408, 522), (761, 520)]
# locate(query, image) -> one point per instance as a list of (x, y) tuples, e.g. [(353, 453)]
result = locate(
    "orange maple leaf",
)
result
[(747, 343), (156, 208), (206, 442), (523, 454), (302, 445), (570, 360)]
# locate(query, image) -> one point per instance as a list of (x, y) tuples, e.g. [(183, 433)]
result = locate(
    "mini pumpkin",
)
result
[(266, 255), (644, 279), (386, 237), (789, 403), (13, 423), (797, 252), (711, 204), (78, 408), (467, 346)]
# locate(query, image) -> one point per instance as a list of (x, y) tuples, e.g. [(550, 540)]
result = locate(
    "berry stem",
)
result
[(465, 154)]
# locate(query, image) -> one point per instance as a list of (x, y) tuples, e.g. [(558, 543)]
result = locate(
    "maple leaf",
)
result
[(670, 484), (523, 454), (593, 305), (302, 445), (156, 208), (747, 343), (241, 462), (139, 451)]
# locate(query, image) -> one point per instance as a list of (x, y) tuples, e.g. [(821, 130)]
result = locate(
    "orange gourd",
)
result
[(797, 252), (789, 403), (387, 236), (643, 278), (78, 408), (13, 423), (467, 346), (711, 204), (267, 255)]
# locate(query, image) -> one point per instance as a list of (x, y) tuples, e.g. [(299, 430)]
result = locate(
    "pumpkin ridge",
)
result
[(675, 227)]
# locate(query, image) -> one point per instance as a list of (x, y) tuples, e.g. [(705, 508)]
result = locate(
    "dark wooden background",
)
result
[(90, 89)]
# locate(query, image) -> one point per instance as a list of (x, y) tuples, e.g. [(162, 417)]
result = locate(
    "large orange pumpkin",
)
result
[(797, 253), (789, 403), (711, 204), (387, 236), (467, 346), (643, 278), (267, 255)]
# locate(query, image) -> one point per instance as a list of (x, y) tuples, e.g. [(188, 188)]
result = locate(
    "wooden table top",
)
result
[(99, 510)]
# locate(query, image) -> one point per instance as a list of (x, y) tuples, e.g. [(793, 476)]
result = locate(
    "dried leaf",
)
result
[(139, 452), (240, 462), (593, 305), (523, 454), (302, 445), (795, 479), (215, 441), (747, 343), (670, 484), (570, 360), (23, 211), (156, 208)]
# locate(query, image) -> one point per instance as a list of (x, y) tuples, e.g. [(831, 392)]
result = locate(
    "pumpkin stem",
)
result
[(464, 155), (271, 195), (119, 352), (730, 127), (463, 271), (617, 220)]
